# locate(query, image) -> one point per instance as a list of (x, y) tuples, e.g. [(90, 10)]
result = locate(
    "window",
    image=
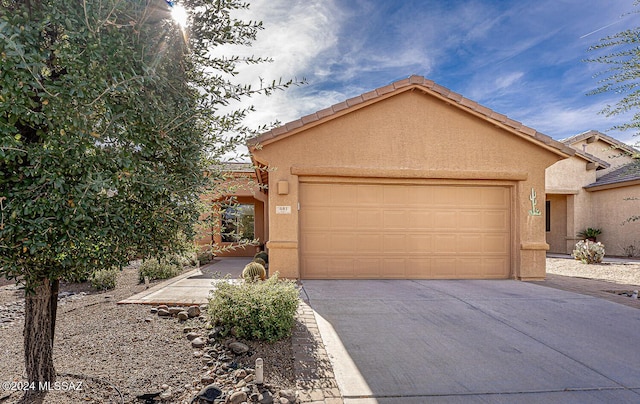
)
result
[(547, 215), (238, 223)]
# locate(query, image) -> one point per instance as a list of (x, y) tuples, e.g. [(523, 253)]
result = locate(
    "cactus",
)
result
[(263, 255), (254, 271), (589, 252), (260, 261)]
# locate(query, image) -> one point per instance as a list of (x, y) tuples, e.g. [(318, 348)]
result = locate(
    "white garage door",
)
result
[(372, 231)]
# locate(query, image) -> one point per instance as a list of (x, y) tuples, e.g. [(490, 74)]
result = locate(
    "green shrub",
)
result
[(158, 269), (254, 271), (205, 257), (78, 276), (255, 310), (263, 256), (589, 252), (590, 234), (104, 279)]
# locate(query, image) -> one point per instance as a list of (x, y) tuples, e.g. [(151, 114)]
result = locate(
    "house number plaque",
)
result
[(534, 201)]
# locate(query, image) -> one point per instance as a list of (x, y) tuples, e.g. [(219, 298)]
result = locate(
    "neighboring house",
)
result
[(407, 181), (238, 213), (598, 187)]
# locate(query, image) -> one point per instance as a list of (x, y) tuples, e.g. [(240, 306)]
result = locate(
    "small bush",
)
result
[(263, 256), (205, 257), (104, 279), (158, 269), (589, 252), (255, 310)]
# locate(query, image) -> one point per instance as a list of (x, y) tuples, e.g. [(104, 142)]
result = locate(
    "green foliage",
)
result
[(159, 269), (588, 252), (105, 279), (263, 256), (205, 257), (254, 271), (619, 54), (108, 119), (255, 310), (589, 233)]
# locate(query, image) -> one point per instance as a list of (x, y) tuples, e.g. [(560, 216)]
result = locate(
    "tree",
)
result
[(622, 75), (108, 118)]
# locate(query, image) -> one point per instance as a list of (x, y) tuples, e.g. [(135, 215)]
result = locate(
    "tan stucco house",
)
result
[(409, 180), (598, 187)]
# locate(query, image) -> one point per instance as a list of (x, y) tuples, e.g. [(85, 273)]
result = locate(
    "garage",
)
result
[(407, 181), (399, 230)]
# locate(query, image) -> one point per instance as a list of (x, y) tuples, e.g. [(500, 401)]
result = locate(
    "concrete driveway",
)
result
[(403, 341)]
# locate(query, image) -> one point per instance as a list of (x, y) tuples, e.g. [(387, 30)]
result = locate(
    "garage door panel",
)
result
[(343, 219), (495, 220), (369, 243), (342, 243), (369, 195), (445, 243), (394, 243), (495, 244), (369, 219), (404, 231), (368, 268), (395, 219), (317, 218)]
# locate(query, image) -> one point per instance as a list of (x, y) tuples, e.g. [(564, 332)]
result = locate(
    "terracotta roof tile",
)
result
[(401, 83), (323, 113), (354, 101), (369, 95), (386, 89), (440, 90), (294, 124), (309, 118), (340, 106), (498, 117), (416, 79)]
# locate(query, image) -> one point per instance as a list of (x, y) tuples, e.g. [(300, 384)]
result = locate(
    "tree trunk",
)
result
[(39, 329)]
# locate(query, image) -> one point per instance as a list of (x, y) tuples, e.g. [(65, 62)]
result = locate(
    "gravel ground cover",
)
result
[(617, 272), (109, 353)]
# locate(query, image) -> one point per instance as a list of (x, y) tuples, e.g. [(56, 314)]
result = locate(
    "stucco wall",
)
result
[(604, 151), (611, 217), (411, 134)]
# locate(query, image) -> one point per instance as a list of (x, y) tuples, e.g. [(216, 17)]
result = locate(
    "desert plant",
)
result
[(158, 269), (255, 310), (205, 257), (105, 279), (631, 250), (588, 252), (254, 271), (260, 261), (590, 234), (262, 255)]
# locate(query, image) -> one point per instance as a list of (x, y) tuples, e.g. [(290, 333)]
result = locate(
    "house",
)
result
[(409, 180), (238, 211), (594, 188)]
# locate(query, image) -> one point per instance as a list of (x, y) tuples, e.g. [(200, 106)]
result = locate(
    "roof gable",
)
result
[(412, 83), (593, 136)]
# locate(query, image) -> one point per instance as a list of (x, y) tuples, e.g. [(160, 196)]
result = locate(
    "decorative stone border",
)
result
[(315, 380)]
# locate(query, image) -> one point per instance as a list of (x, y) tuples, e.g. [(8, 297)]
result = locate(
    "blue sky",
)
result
[(521, 59)]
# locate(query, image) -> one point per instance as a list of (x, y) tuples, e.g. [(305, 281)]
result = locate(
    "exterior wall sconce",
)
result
[(283, 188)]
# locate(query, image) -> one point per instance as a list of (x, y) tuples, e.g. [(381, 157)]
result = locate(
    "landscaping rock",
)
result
[(238, 348), (183, 316), (192, 335), (210, 393), (265, 397), (175, 310), (290, 395), (193, 311), (198, 343), (164, 313), (238, 397)]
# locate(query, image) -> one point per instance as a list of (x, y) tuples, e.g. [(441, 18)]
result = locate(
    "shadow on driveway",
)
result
[(404, 341)]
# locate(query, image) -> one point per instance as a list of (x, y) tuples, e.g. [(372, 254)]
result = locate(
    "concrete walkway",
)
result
[(475, 342), (192, 287)]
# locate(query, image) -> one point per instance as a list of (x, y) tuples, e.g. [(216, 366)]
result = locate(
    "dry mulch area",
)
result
[(617, 272), (117, 352)]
